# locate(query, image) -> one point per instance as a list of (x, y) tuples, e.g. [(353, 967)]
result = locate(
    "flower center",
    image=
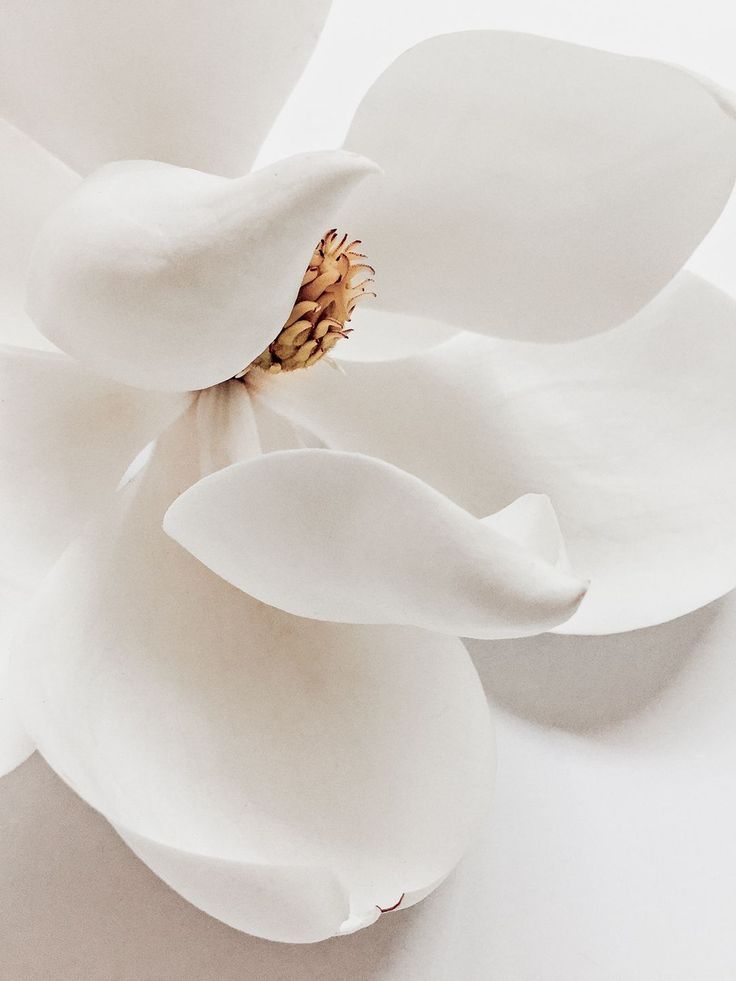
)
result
[(336, 278)]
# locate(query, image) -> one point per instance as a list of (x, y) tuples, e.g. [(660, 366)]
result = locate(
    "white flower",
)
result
[(273, 744), (295, 776)]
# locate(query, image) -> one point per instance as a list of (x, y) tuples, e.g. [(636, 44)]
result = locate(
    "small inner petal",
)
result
[(336, 278)]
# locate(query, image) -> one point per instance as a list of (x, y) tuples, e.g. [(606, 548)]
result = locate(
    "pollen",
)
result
[(337, 277)]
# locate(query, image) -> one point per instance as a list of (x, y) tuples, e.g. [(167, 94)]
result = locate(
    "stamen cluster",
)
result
[(324, 305)]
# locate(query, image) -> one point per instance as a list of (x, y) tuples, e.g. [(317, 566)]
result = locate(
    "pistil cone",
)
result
[(336, 278)]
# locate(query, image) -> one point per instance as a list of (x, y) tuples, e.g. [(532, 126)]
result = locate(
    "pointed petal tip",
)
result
[(563, 593), (362, 163), (359, 921), (486, 584), (326, 167), (142, 254), (559, 596)]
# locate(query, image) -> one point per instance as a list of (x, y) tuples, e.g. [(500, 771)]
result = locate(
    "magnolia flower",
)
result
[(266, 696), (308, 831)]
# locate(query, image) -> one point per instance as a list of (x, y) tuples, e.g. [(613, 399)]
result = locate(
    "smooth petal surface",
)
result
[(172, 279), (195, 84), (15, 746), (535, 189), (630, 434), (66, 439), (609, 855), (351, 539), (531, 522), (200, 721), (290, 903), (32, 184), (381, 335)]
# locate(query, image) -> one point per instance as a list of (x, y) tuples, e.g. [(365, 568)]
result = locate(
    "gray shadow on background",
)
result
[(77, 905), (586, 683)]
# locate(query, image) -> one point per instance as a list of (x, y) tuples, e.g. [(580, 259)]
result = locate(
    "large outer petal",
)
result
[(32, 184), (351, 539), (202, 722), (630, 434), (195, 84), (173, 279), (535, 189), (15, 745), (610, 856), (66, 439)]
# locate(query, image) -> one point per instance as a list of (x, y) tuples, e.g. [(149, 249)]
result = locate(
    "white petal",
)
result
[(66, 439), (347, 538), (531, 522), (198, 720), (275, 432), (289, 903), (32, 184), (226, 426), (195, 84), (173, 279), (379, 335), (631, 826), (630, 434), (15, 745), (533, 188)]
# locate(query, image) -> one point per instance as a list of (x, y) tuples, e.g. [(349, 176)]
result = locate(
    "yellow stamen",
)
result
[(334, 282)]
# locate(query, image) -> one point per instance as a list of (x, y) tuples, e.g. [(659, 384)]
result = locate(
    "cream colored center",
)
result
[(335, 280)]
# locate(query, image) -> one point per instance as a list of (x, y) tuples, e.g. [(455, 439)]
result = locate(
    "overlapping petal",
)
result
[(66, 439), (173, 279), (32, 183), (351, 539), (531, 522), (535, 189), (265, 748), (386, 335), (630, 434), (195, 84)]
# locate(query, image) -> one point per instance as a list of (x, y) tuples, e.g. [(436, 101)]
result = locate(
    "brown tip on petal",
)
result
[(390, 909)]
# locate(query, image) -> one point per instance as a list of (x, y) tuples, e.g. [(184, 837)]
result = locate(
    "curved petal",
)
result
[(347, 538), (630, 434), (32, 185), (380, 335), (173, 279), (202, 721), (294, 904), (66, 439), (531, 522), (566, 185), (195, 84), (15, 745), (289, 903)]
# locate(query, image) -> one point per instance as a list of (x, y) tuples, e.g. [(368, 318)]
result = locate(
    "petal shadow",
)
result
[(75, 902), (582, 683)]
